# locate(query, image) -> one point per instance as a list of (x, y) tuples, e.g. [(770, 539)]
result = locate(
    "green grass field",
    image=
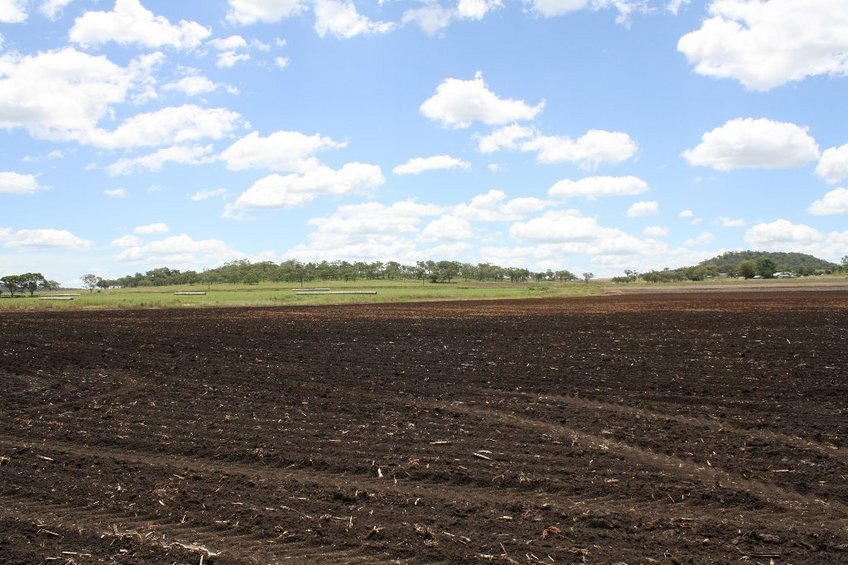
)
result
[(279, 294)]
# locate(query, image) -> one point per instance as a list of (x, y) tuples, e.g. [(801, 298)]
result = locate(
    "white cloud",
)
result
[(437, 162), (687, 214), (431, 18), (675, 5), (656, 231), (206, 194), (12, 11), (643, 208), (783, 235), (596, 187), (589, 150), (767, 44), (702, 239), (115, 192), (52, 9), (159, 227), (229, 51), (369, 231), (726, 222), (47, 238), (62, 95), (131, 23), (833, 165), (341, 19), (173, 124), (753, 143), (552, 8), (181, 251), (183, 154), (281, 62), (289, 191), (832, 203), (476, 9), (447, 228), (494, 206), (17, 183), (246, 12), (288, 151), (457, 103), (126, 241), (507, 137), (194, 83)]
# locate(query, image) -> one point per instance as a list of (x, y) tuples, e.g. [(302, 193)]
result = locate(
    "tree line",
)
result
[(293, 271), (26, 282)]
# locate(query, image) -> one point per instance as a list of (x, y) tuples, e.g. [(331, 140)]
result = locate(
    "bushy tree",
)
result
[(766, 267), (746, 269), (89, 281)]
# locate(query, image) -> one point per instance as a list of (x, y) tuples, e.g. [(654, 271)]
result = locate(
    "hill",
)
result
[(799, 264)]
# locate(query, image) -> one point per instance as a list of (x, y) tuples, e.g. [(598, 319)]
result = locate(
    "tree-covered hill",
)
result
[(746, 264)]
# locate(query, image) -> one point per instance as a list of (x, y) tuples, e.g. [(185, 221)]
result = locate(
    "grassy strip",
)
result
[(279, 294)]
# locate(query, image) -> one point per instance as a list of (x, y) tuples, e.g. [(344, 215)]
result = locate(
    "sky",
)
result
[(587, 135)]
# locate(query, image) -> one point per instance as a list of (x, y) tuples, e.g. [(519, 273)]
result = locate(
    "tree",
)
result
[(587, 277), (845, 263), (766, 267), (90, 281), (12, 283), (50, 285), (31, 281), (746, 269)]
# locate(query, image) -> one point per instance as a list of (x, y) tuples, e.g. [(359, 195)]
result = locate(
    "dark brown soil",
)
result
[(680, 428)]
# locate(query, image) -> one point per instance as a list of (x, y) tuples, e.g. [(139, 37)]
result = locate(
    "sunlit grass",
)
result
[(279, 294)]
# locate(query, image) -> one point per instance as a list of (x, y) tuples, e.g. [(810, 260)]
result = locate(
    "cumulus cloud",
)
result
[(596, 187), (832, 203), (13, 11), (170, 125), (687, 214), (158, 227), (180, 251), (552, 8), (289, 191), (115, 192), (246, 12), (131, 23), (476, 9), (182, 154), (739, 41), (494, 206), (340, 19), (702, 239), (833, 165), (437, 162), (52, 9), (230, 50), (726, 222), (367, 232), (656, 231), (447, 228), (17, 183), (753, 143), (288, 151), (46, 238), (458, 103), (62, 95), (783, 235), (126, 241), (206, 194), (431, 18), (674, 5), (194, 83), (588, 151), (643, 208)]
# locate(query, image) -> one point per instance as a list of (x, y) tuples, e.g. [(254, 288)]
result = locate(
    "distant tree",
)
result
[(587, 277), (766, 267), (103, 284), (12, 283), (746, 269), (845, 263), (31, 282), (89, 281), (565, 276), (50, 285)]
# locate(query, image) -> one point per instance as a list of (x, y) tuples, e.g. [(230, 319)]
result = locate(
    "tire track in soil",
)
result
[(152, 530), (838, 453), (792, 502), (494, 496)]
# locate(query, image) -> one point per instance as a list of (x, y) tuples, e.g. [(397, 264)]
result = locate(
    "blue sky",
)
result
[(589, 135)]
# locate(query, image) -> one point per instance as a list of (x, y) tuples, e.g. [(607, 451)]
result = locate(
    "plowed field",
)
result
[(659, 428)]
